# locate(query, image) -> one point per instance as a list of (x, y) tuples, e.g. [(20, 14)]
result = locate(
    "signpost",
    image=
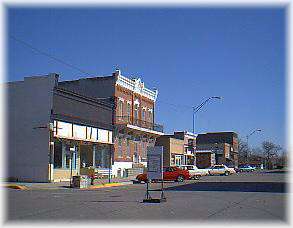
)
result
[(154, 173)]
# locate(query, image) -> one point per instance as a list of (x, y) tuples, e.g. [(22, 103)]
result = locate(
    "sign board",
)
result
[(155, 162)]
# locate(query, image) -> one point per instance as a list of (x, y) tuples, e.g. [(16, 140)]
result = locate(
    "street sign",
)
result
[(155, 163)]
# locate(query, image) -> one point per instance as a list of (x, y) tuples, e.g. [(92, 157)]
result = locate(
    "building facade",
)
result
[(223, 144), (173, 150), (54, 133), (189, 140), (133, 116), (205, 159), (178, 148)]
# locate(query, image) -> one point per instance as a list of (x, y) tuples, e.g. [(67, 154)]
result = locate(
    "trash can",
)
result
[(82, 181)]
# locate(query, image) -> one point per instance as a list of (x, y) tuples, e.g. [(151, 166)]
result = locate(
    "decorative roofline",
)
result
[(136, 85)]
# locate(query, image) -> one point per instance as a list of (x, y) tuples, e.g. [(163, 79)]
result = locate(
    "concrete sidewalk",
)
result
[(98, 183)]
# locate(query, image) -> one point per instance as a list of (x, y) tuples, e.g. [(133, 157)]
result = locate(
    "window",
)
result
[(136, 111), (135, 147), (143, 115), (142, 150), (128, 147), (119, 147), (128, 111), (62, 156), (150, 115), (57, 154), (120, 108)]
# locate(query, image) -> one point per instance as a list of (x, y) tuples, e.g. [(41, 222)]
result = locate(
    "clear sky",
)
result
[(189, 54)]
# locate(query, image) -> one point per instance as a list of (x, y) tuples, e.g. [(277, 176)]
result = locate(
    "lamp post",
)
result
[(195, 109), (247, 137)]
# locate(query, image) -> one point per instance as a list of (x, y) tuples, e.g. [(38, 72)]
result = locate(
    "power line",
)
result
[(175, 105), (81, 70), (48, 55)]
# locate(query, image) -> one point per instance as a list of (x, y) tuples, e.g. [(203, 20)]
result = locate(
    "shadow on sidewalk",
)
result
[(272, 187)]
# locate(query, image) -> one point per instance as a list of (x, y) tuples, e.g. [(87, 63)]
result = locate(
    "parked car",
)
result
[(172, 173), (195, 172), (246, 168), (221, 170)]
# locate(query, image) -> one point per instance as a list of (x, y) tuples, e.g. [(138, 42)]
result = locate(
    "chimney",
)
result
[(117, 72)]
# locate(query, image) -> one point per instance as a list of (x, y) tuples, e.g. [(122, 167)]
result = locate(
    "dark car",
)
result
[(172, 173)]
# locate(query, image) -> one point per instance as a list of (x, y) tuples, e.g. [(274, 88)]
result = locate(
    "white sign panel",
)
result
[(155, 162)]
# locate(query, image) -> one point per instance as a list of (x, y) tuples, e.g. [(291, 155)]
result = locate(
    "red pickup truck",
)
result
[(172, 173)]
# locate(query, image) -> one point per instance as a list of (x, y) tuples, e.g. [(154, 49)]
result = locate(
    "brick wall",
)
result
[(203, 160)]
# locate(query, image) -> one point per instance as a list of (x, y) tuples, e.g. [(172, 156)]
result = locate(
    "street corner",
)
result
[(15, 186), (107, 185)]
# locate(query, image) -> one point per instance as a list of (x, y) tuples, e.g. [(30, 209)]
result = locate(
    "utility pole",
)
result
[(247, 137)]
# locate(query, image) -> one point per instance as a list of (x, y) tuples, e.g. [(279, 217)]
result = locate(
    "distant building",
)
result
[(205, 159), (178, 148), (223, 144), (173, 150)]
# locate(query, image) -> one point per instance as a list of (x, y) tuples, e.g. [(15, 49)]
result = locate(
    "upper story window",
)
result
[(143, 115), (136, 111), (128, 110), (120, 107), (150, 115)]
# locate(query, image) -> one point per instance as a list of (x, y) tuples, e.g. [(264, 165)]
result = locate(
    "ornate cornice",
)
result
[(137, 86)]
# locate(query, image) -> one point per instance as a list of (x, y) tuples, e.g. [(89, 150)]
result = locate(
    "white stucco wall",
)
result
[(122, 166), (28, 107)]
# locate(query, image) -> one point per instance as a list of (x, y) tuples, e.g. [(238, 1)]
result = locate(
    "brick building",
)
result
[(173, 150), (133, 116), (178, 148), (189, 140), (205, 159), (223, 144)]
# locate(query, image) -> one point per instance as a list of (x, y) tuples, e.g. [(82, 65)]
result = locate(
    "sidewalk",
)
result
[(98, 183)]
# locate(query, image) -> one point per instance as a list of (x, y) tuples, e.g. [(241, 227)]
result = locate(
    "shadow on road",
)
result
[(273, 187)]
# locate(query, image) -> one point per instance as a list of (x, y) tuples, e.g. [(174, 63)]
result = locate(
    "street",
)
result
[(240, 197)]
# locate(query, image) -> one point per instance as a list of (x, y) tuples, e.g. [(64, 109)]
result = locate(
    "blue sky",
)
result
[(189, 54)]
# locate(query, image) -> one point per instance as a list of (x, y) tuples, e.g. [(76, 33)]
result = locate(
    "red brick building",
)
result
[(223, 144), (133, 116)]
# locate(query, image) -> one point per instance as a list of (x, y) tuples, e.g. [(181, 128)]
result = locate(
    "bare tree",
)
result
[(270, 152), (243, 151)]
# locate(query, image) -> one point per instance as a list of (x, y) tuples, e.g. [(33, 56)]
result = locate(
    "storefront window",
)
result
[(62, 156), (57, 154), (102, 156)]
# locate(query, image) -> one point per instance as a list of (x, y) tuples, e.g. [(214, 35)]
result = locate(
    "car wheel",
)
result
[(226, 173), (180, 178), (197, 176)]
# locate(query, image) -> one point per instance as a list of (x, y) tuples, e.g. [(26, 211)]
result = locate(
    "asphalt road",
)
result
[(241, 197)]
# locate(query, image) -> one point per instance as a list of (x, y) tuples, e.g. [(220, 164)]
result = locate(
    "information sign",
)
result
[(155, 163)]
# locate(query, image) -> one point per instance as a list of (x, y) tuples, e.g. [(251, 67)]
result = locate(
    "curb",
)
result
[(107, 185), (15, 186)]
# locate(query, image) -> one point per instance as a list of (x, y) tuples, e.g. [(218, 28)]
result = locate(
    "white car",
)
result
[(195, 172), (221, 170)]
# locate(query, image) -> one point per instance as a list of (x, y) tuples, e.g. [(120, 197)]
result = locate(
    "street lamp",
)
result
[(195, 109), (247, 137)]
